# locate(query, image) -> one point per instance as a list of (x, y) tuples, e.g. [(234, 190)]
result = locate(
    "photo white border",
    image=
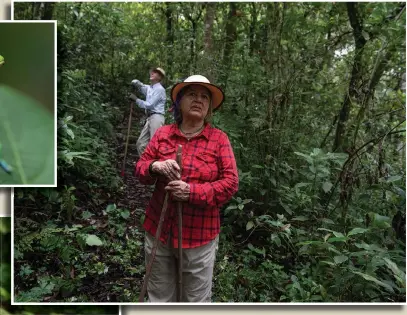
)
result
[(55, 98), (5, 200), (149, 308)]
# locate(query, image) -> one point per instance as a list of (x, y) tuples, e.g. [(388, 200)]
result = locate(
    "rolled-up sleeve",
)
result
[(157, 97), (217, 193)]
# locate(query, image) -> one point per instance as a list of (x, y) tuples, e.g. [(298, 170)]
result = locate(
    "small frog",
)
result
[(1, 60)]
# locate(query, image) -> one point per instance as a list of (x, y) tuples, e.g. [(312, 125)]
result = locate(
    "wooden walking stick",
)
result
[(127, 138), (179, 212), (154, 250), (157, 238)]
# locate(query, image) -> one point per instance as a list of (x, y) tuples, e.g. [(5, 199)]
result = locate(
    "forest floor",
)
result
[(109, 273), (135, 196)]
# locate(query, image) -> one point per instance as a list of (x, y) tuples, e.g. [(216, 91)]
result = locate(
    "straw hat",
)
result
[(159, 70), (217, 94)]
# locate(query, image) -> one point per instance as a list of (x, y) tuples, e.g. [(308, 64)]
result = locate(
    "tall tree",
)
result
[(230, 38), (169, 37), (48, 11), (206, 60), (352, 93), (193, 14)]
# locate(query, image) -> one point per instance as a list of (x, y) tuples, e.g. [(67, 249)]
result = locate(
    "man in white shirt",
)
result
[(154, 106)]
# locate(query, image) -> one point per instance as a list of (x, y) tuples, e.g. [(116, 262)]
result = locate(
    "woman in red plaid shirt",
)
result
[(208, 180)]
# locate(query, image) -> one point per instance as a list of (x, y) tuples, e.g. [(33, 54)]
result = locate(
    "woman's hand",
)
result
[(179, 190), (167, 168)]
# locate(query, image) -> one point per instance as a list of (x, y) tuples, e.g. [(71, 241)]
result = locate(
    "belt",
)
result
[(153, 113)]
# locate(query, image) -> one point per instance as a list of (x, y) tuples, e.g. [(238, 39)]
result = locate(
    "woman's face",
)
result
[(195, 103)]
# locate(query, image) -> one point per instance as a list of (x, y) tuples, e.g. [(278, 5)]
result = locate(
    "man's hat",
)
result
[(159, 70), (217, 94)]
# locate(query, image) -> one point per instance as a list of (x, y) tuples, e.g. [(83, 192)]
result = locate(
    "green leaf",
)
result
[(398, 274), (299, 185), (256, 250), (86, 214), (309, 243), (373, 279), (300, 218), (286, 208), (125, 214), (306, 157), (276, 239), (273, 181), (110, 208), (338, 234), (93, 240), (340, 259), (326, 186), (249, 225), (369, 247), (337, 239), (312, 169), (357, 231), (27, 139), (395, 178), (327, 221)]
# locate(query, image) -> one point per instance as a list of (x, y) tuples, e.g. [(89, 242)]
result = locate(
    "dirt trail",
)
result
[(135, 195)]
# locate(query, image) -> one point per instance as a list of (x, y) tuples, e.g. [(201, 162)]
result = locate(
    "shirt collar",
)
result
[(205, 132), (154, 85)]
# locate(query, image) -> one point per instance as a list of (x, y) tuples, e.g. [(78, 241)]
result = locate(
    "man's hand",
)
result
[(135, 82), (133, 97), (167, 168), (179, 190)]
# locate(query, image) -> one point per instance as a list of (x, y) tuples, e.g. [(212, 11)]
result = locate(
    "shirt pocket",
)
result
[(207, 166), (166, 152)]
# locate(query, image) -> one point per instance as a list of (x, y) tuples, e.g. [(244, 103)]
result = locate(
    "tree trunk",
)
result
[(352, 93), (253, 28), (35, 10), (206, 62), (48, 11), (230, 38), (192, 45), (169, 38)]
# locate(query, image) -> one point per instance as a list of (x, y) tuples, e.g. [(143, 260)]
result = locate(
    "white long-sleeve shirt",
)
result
[(155, 97)]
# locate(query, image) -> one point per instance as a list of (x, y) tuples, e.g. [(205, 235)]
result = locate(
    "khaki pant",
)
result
[(153, 122), (196, 276)]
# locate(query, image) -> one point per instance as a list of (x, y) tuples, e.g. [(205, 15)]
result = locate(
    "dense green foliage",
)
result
[(315, 110), (7, 309)]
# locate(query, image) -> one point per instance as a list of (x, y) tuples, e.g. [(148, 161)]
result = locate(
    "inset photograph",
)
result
[(220, 152), (27, 104)]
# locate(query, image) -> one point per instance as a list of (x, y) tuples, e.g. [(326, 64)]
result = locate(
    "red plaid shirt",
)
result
[(208, 166)]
